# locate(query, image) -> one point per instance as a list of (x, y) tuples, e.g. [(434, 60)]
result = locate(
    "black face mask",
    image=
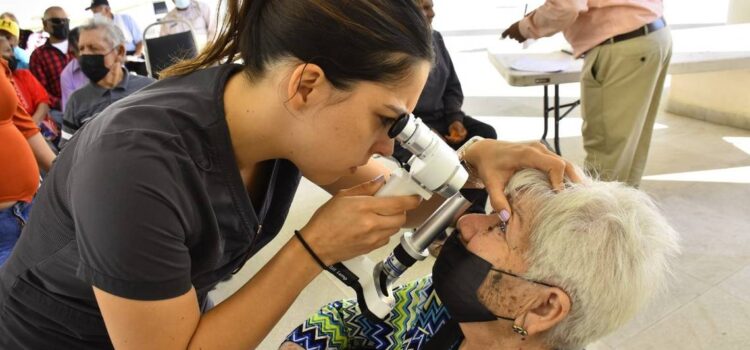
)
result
[(457, 276), (60, 30), (12, 63), (93, 67)]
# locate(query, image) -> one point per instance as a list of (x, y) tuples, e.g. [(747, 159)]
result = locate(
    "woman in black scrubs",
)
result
[(174, 188)]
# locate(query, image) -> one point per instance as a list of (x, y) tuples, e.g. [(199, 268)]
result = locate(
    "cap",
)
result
[(10, 27), (95, 3)]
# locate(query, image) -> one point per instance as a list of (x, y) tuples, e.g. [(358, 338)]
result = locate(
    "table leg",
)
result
[(557, 119), (556, 107), (546, 116)]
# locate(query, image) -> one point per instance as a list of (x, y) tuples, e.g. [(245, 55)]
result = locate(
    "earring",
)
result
[(520, 330)]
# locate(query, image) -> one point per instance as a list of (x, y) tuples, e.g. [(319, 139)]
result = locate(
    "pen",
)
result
[(525, 8)]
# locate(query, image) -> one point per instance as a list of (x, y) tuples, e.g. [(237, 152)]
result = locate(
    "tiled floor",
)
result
[(699, 173)]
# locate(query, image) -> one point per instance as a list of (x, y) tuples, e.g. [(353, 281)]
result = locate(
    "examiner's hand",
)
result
[(354, 222), (496, 162), (456, 132), (514, 32)]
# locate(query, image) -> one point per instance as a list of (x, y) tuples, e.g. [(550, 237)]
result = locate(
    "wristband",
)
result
[(473, 174), (309, 250)]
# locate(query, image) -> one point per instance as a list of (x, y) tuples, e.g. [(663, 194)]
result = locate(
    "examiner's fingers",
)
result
[(570, 170), (495, 187), (394, 205)]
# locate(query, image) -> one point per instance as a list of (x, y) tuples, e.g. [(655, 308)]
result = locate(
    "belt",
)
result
[(644, 30)]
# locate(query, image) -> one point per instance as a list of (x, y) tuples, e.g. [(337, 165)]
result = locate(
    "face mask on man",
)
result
[(93, 66), (60, 28), (182, 4), (100, 16), (457, 275), (12, 63)]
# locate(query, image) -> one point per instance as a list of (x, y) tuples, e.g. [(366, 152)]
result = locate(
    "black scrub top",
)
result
[(145, 202)]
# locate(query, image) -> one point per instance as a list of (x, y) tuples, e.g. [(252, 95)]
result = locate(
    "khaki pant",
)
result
[(621, 85)]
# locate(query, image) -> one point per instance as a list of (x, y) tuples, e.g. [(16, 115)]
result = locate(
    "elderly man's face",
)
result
[(94, 42)]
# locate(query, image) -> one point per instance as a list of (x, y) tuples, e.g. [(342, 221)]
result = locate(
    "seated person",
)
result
[(31, 94), (10, 30), (102, 55), (439, 106), (72, 78), (567, 269)]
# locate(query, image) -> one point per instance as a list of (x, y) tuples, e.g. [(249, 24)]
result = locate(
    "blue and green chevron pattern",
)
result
[(418, 315)]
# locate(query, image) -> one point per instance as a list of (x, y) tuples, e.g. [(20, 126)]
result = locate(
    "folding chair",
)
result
[(164, 51)]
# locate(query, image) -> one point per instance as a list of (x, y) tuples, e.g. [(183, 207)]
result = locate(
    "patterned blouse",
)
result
[(415, 320)]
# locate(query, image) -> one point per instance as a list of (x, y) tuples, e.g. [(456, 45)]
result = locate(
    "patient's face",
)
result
[(503, 294), (504, 251)]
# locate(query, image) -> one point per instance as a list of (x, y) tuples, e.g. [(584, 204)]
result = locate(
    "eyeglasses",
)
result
[(55, 20)]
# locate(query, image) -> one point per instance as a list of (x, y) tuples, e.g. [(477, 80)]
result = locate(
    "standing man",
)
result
[(129, 28), (102, 55), (48, 60), (195, 12), (627, 51)]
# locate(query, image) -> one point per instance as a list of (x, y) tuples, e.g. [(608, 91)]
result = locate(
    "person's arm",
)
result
[(41, 111), (138, 49), (552, 17), (42, 152), (373, 169), (66, 87), (240, 322), (39, 96), (69, 126), (137, 37), (453, 95)]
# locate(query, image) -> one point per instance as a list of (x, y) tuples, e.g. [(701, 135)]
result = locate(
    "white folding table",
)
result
[(694, 50)]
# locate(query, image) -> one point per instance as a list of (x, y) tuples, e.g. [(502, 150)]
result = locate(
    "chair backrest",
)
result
[(163, 51)]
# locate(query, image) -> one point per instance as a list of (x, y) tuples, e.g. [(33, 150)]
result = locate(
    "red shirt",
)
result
[(46, 63), (30, 92), (18, 168)]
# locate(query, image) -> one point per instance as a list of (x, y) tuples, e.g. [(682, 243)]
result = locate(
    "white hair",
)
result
[(113, 34), (604, 243)]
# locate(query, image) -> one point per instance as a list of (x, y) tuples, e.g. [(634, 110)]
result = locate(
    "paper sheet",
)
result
[(530, 64)]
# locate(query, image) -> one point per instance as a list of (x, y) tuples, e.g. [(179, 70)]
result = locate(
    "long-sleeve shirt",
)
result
[(587, 23), (198, 15), (442, 96), (71, 79), (47, 62)]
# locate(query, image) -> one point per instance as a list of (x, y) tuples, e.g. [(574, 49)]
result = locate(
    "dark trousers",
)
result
[(477, 197)]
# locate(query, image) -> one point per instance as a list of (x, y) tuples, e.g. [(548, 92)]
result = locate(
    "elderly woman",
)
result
[(567, 269)]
